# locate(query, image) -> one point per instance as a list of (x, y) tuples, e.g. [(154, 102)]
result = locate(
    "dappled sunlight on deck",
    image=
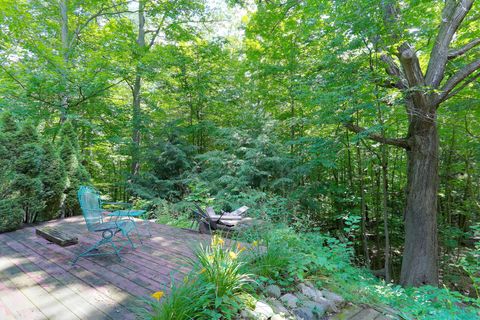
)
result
[(38, 281)]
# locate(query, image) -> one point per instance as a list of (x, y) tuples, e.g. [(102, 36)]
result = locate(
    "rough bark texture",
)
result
[(423, 95), (420, 257), (136, 92), (65, 57)]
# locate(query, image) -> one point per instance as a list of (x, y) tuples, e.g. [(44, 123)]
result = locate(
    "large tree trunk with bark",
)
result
[(136, 93), (420, 257), (65, 57), (136, 124), (424, 93)]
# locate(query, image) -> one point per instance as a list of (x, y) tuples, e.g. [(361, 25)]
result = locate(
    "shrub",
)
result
[(213, 290), (54, 179), (183, 302), (11, 215), (470, 263), (75, 171), (286, 258), (27, 178)]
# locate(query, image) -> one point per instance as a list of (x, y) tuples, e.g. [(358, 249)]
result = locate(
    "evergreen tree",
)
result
[(11, 215), (166, 178), (9, 130), (76, 174), (27, 173), (54, 179)]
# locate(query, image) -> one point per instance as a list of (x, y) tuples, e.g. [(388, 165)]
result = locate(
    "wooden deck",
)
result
[(37, 280)]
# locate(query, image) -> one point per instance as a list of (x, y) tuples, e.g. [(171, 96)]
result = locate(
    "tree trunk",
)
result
[(363, 208), (136, 123), (137, 90), (420, 259), (65, 57), (388, 276)]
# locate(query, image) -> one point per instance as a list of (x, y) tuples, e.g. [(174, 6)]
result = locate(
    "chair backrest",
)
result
[(90, 203), (210, 211), (202, 215)]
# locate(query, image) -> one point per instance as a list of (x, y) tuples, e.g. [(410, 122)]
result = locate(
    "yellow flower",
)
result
[(255, 243), (217, 241), (232, 255), (203, 270), (210, 258), (157, 295), (241, 249)]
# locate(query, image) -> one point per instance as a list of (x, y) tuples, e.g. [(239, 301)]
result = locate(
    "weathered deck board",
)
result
[(37, 280), (90, 294), (14, 303), (70, 299), (347, 313), (141, 262), (362, 312), (366, 314), (57, 236), (28, 283)]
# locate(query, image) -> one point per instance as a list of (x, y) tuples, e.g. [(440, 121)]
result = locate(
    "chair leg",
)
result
[(117, 251), (131, 242), (138, 233), (90, 249), (148, 226), (107, 237)]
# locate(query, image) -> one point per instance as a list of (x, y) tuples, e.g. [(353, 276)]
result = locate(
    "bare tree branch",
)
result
[(452, 54), (393, 70), (460, 88), (29, 95), (102, 12), (452, 16), (397, 142), (96, 93), (157, 31), (413, 73), (456, 79), (411, 65)]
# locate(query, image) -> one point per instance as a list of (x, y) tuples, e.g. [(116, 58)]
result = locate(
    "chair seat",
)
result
[(126, 213), (112, 225), (216, 217), (237, 212)]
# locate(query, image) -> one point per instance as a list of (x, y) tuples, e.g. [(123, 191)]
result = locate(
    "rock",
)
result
[(335, 298), (251, 315), (273, 291), (328, 304), (277, 306), (263, 309), (310, 292), (315, 297), (289, 300), (304, 313), (277, 317), (317, 308)]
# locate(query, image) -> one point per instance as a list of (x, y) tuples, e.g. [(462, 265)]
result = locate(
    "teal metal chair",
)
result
[(129, 213), (94, 215)]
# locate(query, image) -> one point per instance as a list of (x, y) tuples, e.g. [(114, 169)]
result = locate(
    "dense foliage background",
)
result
[(165, 103)]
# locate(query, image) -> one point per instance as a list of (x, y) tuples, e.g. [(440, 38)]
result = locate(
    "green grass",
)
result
[(180, 222)]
